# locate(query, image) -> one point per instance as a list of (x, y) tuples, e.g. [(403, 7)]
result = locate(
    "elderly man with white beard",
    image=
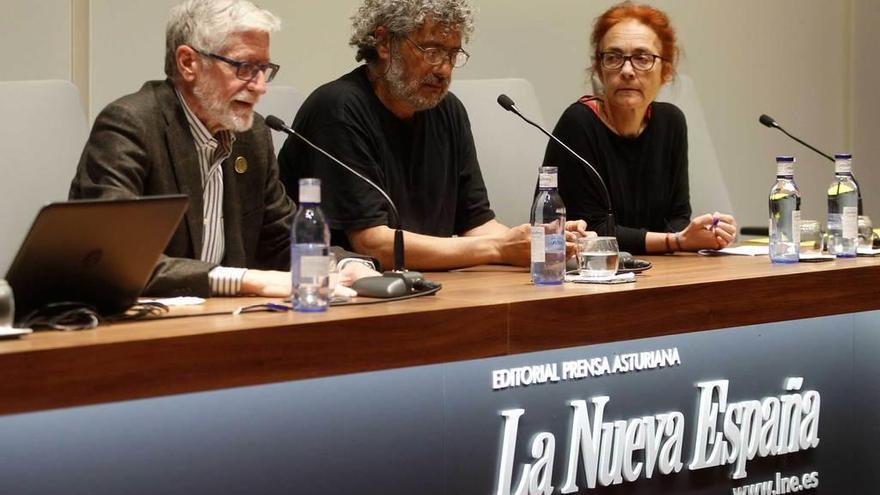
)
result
[(196, 133), (393, 119)]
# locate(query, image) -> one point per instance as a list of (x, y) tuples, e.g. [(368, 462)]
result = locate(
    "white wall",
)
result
[(45, 40), (35, 40), (865, 103), (127, 47), (787, 58)]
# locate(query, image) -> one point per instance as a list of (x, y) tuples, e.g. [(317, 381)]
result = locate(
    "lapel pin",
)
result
[(241, 165)]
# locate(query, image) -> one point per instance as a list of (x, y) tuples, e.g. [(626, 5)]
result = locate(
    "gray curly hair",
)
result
[(402, 17), (205, 25)]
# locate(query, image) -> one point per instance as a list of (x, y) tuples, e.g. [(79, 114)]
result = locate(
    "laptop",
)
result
[(96, 252)]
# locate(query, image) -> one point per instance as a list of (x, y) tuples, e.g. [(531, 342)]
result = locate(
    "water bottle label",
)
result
[(310, 193), (796, 227), (842, 167), (554, 243), (314, 266), (547, 180), (850, 222), (784, 168), (537, 244)]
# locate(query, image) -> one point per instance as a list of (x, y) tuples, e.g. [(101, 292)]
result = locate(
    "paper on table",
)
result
[(816, 257), (866, 251), (737, 251), (7, 332), (619, 278)]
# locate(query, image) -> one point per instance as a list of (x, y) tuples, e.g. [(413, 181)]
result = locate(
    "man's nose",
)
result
[(258, 84)]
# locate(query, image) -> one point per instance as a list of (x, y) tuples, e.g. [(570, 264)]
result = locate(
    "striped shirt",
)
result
[(212, 151)]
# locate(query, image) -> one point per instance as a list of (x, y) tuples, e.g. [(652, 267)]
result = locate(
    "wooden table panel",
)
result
[(483, 312)]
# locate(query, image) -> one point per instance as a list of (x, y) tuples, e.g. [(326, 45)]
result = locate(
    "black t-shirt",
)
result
[(647, 176), (427, 165)]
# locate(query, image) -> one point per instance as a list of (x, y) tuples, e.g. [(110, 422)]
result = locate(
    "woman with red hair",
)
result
[(637, 145)]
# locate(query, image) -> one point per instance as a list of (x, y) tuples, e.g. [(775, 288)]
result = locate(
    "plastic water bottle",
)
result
[(548, 231), (785, 214), (843, 211), (310, 251)]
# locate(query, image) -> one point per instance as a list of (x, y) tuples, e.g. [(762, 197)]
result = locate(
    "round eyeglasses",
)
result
[(639, 61), (246, 71), (436, 56)]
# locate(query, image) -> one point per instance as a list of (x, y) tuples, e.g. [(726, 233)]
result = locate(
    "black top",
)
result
[(647, 176), (428, 165)]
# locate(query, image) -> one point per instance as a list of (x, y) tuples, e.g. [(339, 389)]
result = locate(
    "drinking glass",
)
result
[(866, 232), (597, 256), (332, 275), (7, 305), (812, 241)]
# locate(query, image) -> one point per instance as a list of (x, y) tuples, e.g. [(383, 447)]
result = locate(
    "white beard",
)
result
[(216, 110)]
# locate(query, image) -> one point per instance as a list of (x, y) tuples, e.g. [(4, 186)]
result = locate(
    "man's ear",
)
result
[(383, 44), (187, 62)]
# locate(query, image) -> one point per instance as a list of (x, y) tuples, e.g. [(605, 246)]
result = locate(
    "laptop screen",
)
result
[(95, 252)]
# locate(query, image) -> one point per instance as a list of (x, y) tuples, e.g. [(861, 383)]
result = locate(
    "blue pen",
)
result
[(715, 221), (272, 307), (277, 307)]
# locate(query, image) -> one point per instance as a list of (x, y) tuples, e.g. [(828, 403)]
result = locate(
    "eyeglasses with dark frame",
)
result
[(246, 71), (639, 61), (435, 56)]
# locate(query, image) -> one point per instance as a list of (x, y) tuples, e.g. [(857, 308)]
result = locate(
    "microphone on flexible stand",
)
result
[(771, 123), (395, 283), (611, 227)]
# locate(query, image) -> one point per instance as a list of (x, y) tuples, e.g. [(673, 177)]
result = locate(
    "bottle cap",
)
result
[(785, 159)]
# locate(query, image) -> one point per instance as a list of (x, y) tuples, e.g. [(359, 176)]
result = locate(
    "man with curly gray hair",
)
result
[(395, 121), (196, 133)]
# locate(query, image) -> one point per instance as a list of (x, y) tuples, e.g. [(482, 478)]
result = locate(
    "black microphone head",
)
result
[(275, 123), (505, 102), (767, 120)]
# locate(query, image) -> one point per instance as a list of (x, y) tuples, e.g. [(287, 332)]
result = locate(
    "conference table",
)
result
[(485, 387)]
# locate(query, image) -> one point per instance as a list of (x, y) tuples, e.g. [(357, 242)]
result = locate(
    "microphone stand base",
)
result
[(392, 284)]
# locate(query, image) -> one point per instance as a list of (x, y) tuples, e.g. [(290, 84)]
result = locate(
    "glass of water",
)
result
[(866, 232), (7, 305), (812, 240), (333, 274), (597, 256)]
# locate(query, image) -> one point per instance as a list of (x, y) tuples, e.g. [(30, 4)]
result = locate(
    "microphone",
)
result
[(395, 283), (767, 120), (771, 123), (507, 103)]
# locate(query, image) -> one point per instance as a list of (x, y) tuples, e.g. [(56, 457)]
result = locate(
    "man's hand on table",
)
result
[(273, 283)]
